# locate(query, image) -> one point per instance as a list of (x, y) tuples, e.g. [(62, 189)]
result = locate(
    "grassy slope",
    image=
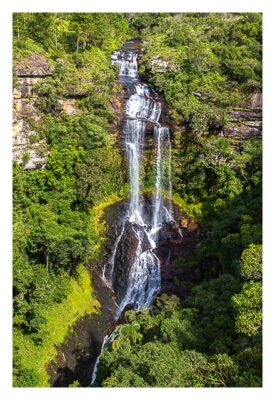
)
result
[(59, 319)]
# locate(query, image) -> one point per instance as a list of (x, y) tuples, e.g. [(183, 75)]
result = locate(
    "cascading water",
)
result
[(134, 139), (109, 266), (144, 279), (162, 213)]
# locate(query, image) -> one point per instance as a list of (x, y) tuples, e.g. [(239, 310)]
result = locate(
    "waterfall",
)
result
[(134, 139), (142, 106), (105, 341)]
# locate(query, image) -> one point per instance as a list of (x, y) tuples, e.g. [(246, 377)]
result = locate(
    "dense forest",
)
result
[(205, 66)]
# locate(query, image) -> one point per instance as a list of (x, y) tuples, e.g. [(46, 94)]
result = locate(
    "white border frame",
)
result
[(265, 6)]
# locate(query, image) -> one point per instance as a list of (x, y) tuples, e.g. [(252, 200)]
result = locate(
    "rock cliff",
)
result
[(27, 148), (245, 120)]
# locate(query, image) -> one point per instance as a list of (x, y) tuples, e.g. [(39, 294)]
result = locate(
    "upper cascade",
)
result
[(127, 62)]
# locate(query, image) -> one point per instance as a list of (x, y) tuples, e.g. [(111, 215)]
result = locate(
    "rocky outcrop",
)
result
[(68, 106), (245, 120), (36, 65), (162, 64), (27, 148)]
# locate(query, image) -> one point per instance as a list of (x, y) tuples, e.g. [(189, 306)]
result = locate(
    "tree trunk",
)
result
[(47, 260)]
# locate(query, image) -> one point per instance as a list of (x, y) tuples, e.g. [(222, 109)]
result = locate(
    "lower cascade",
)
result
[(142, 107)]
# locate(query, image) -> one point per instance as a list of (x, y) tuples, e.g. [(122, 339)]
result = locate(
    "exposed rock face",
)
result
[(68, 106), (34, 65), (162, 64), (27, 148), (245, 121), (32, 152)]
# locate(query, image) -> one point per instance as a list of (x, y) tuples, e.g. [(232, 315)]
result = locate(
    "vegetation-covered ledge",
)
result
[(34, 353)]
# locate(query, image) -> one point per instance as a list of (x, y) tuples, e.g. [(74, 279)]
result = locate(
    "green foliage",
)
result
[(58, 244), (27, 378), (86, 131), (252, 262), (97, 228), (100, 175), (59, 32), (164, 366), (216, 314), (174, 346), (32, 353), (25, 158), (248, 305), (75, 384), (212, 162), (221, 186), (203, 64)]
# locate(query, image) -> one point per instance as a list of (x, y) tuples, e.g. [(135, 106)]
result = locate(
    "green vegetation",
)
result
[(203, 64), (191, 346), (97, 226), (34, 352), (248, 303)]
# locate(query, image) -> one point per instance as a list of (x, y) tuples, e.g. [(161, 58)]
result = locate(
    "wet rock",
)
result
[(125, 256)]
